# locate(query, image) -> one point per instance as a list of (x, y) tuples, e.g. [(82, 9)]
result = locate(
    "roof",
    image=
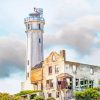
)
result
[(64, 75), (78, 63), (37, 66)]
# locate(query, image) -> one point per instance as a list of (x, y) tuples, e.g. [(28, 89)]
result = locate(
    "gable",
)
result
[(54, 57)]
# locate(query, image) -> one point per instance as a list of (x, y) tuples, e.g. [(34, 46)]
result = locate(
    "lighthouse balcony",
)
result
[(29, 19)]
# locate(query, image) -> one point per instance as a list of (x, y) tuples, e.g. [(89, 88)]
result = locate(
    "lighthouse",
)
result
[(34, 30)]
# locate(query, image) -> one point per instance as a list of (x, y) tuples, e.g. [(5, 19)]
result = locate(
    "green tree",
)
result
[(51, 98), (88, 94), (39, 98)]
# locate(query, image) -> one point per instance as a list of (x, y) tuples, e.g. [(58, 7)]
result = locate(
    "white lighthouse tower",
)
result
[(34, 31)]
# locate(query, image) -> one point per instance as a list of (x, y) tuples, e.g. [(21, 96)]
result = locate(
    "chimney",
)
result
[(63, 54)]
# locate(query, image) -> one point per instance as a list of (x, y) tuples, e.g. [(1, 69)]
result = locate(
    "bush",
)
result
[(39, 98), (51, 98), (32, 96), (5, 96), (79, 95), (27, 92), (16, 98), (88, 94), (97, 88)]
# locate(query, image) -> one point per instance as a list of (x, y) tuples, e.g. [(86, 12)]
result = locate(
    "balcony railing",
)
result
[(33, 18)]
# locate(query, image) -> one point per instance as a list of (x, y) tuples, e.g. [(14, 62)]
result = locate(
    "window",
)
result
[(81, 82), (28, 62), (53, 58), (56, 69), (74, 69), (77, 82), (49, 95), (49, 83), (35, 86), (39, 40), (91, 83), (39, 26), (86, 82), (91, 71), (50, 70), (31, 26), (27, 74), (57, 94), (28, 26)]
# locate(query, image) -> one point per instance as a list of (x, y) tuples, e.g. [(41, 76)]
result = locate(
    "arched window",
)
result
[(74, 69), (53, 58), (91, 71)]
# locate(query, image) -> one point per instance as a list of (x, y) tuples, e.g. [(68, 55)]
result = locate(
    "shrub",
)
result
[(5, 96), (79, 95), (39, 98), (88, 94), (16, 98), (97, 88), (32, 96), (51, 98), (27, 92)]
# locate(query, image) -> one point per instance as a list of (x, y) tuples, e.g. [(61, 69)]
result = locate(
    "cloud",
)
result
[(12, 55), (80, 34), (93, 57), (76, 23)]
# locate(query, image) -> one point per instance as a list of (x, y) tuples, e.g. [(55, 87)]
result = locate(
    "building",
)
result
[(61, 77), (55, 75), (34, 30)]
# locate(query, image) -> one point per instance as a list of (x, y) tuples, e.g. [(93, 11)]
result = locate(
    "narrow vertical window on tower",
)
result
[(31, 26), (28, 62), (28, 26), (39, 26), (39, 40), (27, 74)]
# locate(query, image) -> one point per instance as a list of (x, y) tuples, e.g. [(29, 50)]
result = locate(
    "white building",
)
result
[(34, 31), (62, 77), (55, 75)]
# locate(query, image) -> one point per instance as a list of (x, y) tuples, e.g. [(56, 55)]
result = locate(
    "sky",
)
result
[(73, 25)]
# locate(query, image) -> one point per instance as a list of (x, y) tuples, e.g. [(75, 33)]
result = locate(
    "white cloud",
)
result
[(80, 34)]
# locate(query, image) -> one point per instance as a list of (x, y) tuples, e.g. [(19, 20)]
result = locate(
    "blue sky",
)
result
[(74, 24)]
